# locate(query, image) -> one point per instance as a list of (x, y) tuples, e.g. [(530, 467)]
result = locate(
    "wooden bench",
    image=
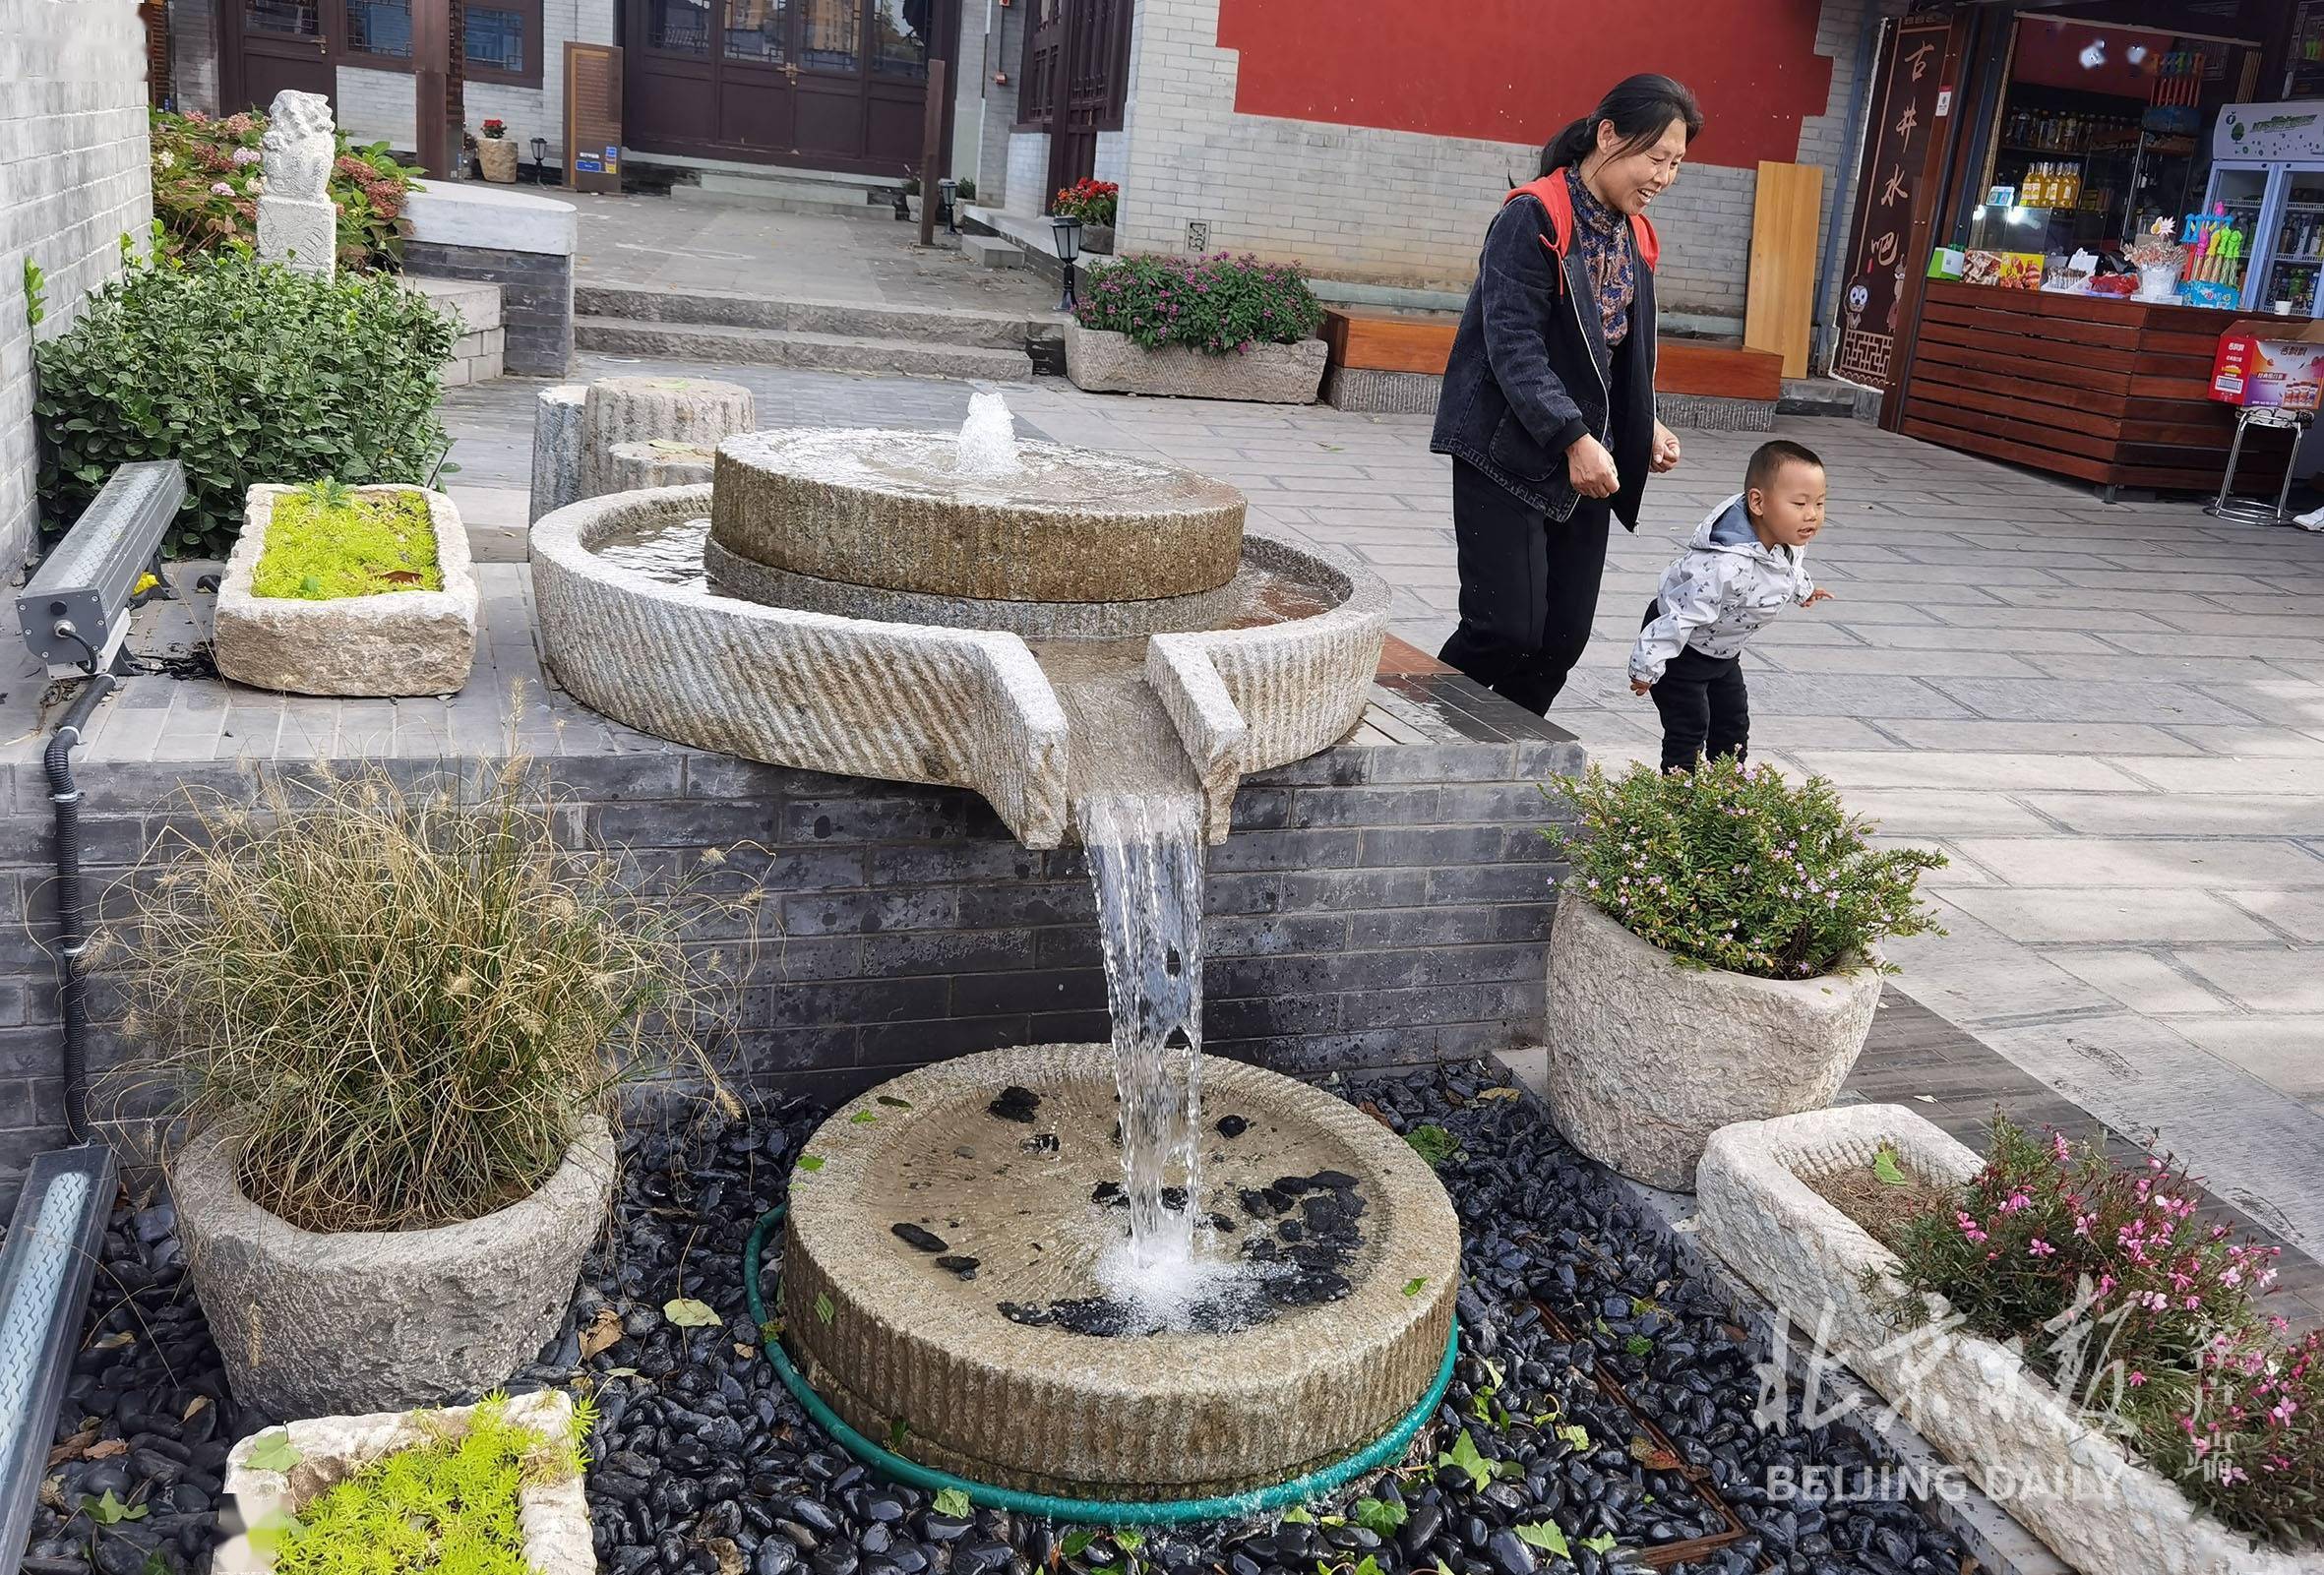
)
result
[(1373, 340)]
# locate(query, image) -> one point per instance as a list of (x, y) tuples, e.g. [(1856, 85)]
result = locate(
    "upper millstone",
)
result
[(893, 511)]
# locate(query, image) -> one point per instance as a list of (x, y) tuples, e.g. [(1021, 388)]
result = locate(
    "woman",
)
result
[(1548, 406)]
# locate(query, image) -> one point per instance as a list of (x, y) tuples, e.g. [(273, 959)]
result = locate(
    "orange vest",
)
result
[(1551, 191)]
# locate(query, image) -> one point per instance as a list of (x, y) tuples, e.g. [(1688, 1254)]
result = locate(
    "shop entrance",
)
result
[(838, 84)]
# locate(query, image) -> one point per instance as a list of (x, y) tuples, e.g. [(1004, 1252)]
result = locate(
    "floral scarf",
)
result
[(1606, 251)]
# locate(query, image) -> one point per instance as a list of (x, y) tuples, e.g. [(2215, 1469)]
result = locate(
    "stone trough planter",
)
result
[(1264, 373), (351, 1323), (405, 642), (554, 1517), (2070, 1484), (1648, 1058)]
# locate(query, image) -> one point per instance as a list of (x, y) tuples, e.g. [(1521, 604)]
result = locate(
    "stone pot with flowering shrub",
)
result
[(1714, 957), (2064, 1326), (1095, 202), (1211, 327), (496, 154), (208, 174)]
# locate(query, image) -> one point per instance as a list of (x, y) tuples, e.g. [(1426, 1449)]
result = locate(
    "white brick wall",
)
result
[(73, 180), (1399, 208), (1028, 172), (378, 105)]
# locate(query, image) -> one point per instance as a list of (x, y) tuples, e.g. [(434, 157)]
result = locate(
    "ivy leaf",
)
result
[(274, 1452), (897, 1432), (1577, 1436), (1298, 1515), (1077, 1541), (1416, 1285), (688, 1313), (1603, 1542), (1432, 1142), (811, 1162), (1885, 1170), (1464, 1456), (1545, 1536), (864, 1117), (1128, 1539), (1380, 1517), (1366, 1565), (111, 1511), (954, 1502)]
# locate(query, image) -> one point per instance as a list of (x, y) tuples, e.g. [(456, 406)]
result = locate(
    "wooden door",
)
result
[(277, 44), (819, 83)]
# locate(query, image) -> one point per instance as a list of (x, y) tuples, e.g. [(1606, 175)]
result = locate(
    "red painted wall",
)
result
[(1518, 70)]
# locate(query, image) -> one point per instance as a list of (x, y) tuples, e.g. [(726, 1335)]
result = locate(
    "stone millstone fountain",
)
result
[(1042, 1268)]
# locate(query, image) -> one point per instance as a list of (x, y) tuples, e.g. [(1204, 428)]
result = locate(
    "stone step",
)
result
[(989, 251), (921, 325), (780, 194), (837, 352)]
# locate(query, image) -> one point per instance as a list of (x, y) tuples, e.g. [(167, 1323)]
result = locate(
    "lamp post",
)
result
[(1069, 249), (946, 189), (540, 160)]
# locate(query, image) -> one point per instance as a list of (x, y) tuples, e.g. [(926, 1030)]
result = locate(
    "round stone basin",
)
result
[(995, 1328), (893, 512)]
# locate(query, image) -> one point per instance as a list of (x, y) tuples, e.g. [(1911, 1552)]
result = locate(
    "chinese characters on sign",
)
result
[(1882, 241)]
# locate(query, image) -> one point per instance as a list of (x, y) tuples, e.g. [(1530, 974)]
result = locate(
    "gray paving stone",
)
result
[(2140, 980), (2268, 979), (2214, 814), (2108, 915), (2045, 700), (1982, 737), (1933, 768), (2299, 915), (1937, 812)]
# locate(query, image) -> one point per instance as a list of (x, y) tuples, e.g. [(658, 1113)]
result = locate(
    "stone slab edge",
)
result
[(900, 701), (554, 1517), (557, 435), (1972, 1398), (409, 642), (1244, 700), (1265, 374), (465, 214)]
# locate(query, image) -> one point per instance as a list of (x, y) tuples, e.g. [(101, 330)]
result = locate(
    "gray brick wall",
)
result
[(73, 180), (536, 293), (1399, 208), (1375, 906), (193, 55)]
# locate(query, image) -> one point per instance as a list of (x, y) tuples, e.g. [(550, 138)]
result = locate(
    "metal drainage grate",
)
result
[(44, 1274)]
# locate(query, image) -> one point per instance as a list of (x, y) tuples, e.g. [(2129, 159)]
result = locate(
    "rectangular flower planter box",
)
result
[(1264, 373), (553, 1516), (405, 643), (1976, 1401)]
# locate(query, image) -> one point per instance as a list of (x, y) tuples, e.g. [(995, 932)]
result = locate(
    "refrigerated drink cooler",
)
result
[(2267, 176)]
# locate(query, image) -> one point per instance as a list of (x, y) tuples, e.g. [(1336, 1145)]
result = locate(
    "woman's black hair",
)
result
[(1641, 108)]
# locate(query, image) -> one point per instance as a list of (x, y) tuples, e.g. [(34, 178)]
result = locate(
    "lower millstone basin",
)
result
[(963, 1231), (673, 553)]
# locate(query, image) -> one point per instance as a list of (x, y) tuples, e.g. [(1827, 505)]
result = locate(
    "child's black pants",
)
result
[(1705, 706)]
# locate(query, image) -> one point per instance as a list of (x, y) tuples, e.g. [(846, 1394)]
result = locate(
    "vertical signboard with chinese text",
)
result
[(1907, 112)]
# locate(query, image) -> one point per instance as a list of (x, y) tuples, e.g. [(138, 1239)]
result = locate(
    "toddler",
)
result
[(1743, 565)]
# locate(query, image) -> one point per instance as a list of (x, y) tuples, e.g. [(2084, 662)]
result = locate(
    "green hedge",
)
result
[(1218, 305), (242, 372)]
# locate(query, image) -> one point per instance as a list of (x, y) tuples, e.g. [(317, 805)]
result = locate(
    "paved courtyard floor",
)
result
[(2111, 719)]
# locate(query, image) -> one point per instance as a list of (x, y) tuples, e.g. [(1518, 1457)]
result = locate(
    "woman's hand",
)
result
[(1590, 468), (1665, 449)]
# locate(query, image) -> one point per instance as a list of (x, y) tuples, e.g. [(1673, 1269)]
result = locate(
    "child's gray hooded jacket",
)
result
[(1722, 592)]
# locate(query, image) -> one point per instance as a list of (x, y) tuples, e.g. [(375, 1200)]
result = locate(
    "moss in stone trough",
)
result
[(449, 1506), (325, 541)]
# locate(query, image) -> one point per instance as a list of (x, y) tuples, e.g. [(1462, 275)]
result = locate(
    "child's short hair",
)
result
[(1769, 458)]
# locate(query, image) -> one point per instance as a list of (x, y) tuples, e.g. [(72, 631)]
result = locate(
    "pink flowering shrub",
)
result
[(1219, 305), (2146, 1317), (1737, 869), (209, 173)]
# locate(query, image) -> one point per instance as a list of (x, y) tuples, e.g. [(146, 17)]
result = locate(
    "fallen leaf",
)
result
[(1885, 1170), (811, 1162), (107, 1449), (115, 1342), (727, 1552), (274, 1451), (604, 1331), (402, 577), (1497, 1093), (1646, 1452), (744, 1350), (199, 1404), (688, 1313)]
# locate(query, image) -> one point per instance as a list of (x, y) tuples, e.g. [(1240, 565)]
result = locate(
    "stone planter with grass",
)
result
[(348, 591), (325, 1474), (1761, 1195), (1236, 328)]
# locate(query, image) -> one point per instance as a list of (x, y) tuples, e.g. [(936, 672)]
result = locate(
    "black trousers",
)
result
[(1705, 705), (1528, 588)]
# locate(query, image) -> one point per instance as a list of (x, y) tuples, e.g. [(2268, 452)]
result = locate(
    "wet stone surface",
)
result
[(704, 1462)]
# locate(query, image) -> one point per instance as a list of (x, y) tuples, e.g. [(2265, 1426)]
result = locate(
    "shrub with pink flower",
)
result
[(1219, 305), (2143, 1314), (207, 175)]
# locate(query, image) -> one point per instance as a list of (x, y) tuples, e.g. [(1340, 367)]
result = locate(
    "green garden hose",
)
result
[(1382, 1451)]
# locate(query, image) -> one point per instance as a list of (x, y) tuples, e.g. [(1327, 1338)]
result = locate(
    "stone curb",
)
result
[(1265, 374)]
